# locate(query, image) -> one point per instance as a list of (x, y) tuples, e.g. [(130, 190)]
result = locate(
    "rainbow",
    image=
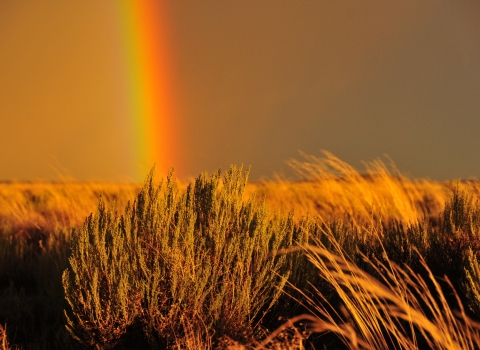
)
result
[(148, 83)]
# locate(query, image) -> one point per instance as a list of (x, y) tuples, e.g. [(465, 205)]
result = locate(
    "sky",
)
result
[(255, 83)]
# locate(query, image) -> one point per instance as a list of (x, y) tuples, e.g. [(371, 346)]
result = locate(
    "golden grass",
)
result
[(376, 313), (329, 188), (49, 207), (333, 190), (3, 338)]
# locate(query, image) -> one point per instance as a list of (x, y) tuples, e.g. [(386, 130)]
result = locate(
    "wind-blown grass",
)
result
[(401, 310), (332, 189)]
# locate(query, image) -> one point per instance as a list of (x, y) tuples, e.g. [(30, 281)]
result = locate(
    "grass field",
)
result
[(339, 258)]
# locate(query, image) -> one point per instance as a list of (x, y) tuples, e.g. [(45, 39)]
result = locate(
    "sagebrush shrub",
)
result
[(203, 256)]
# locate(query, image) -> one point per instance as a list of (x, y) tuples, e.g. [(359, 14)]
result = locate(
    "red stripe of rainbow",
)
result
[(149, 83)]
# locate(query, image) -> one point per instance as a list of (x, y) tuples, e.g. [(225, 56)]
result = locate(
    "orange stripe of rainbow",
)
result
[(150, 83)]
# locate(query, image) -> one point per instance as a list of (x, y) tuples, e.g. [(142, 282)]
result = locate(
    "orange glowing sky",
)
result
[(256, 81)]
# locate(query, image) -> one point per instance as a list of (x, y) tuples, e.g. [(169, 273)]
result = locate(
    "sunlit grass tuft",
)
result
[(334, 190)]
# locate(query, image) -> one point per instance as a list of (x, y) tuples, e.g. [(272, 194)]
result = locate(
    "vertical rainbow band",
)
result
[(149, 81)]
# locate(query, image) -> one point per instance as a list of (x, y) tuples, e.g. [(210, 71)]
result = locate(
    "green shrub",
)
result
[(471, 284), (460, 232), (461, 216), (455, 245), (201, 259)]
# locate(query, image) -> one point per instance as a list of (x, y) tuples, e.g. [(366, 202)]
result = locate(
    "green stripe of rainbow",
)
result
[(149, 83)]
